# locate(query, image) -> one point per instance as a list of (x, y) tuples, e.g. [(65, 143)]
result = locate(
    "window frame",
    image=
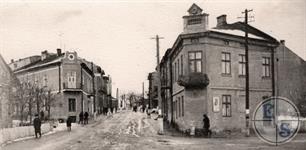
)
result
[(227, 103), (195, 60), (182, 65), (242, 63), (226, 61), (182, 106), (266, 67), (74, 105)]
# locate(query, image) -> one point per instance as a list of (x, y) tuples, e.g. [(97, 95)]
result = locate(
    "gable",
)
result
[(195, 9)]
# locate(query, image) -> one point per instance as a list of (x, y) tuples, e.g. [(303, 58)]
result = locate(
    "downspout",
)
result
[(59, 78), (93, 87), (171, 90), (273, 71), (82, 99)]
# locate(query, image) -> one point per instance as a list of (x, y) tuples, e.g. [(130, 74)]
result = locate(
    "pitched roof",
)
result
[(53, 58), (239, 28), (13, 78)]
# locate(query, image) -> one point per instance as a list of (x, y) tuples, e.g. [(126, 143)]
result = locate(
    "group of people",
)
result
[(83, 117)]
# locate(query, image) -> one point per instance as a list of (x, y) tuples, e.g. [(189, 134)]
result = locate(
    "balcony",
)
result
[(69, 88), (194, 80)]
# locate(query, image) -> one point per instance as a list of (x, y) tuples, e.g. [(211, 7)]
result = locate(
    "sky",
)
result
[(116, 34)]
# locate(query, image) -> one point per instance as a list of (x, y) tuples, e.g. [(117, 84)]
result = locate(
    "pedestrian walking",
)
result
[(37, 126), (86, 115), (68, 122), (81, 117), (206, 126)]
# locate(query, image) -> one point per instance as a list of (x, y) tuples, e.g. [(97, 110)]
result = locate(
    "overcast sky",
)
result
[(116, 34)]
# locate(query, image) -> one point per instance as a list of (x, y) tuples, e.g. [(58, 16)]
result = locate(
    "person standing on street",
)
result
[(81, 117), (86, 115), (206, 126), (37, 126), (68, 122)]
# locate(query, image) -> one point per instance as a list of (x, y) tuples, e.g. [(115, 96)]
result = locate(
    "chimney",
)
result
[(12, 60), (44, 55), (282, 42), (221, 20), (59, 52)]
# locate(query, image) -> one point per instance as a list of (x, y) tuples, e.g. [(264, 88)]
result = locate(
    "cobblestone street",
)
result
[(129, 130)]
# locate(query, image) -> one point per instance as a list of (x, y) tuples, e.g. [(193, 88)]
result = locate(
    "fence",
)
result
[(11, 134)]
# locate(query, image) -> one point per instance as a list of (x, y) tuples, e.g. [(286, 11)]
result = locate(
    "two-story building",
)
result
[(75, 84), (8, 83), (204, 72)]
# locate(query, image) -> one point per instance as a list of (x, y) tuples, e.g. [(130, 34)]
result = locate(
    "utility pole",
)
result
[(160, 118), (247, 86), (143, 102)]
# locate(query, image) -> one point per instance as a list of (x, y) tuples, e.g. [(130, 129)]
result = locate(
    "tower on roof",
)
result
[(195, 21)]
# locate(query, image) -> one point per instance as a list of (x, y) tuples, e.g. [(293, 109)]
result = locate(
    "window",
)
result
[(195, 61), (175, 104), (45, 80), (71, 76), (226, 105), (266, 67), (178, 67), (175, 71), (194, 21), (226, 42), (72, 105), (226, 63), (179, 106), (182, 71), (242, 64), (182, 105)]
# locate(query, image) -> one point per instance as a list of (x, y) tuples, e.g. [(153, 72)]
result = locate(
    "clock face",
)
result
[(71, 57), (194, 11)]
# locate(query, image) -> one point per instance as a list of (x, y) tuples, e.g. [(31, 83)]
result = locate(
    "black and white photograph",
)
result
[(152, 74)]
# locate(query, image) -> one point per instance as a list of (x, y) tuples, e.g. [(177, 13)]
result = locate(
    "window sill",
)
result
[(226, 116), (266, 78), (241, 76), (226, 75)]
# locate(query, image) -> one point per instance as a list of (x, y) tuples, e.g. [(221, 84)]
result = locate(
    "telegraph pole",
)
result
[(247, 86), (160, 118)]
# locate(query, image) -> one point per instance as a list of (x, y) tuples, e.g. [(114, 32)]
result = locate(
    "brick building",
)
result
[(204, 73), (75, 83)]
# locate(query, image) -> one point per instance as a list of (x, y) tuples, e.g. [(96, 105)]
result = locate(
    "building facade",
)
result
[(75, 84), (8, 83), (153, 90), (204, 73)]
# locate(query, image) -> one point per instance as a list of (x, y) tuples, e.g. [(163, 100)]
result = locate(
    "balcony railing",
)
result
[(193, 80)]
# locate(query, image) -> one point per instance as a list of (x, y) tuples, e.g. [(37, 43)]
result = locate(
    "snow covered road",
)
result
[(128, 130)]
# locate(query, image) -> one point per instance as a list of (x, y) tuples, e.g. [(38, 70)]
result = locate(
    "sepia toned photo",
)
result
[(152, 74)]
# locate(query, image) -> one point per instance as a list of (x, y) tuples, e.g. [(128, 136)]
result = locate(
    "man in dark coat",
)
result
[(81, 117), (206, 126), (68, 122), (86, 115), (37, 125)]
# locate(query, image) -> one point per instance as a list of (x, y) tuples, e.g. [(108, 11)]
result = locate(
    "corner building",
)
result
[(206, 70), (76, 84)]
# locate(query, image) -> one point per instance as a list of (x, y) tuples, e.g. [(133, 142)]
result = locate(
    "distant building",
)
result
[(153, 90), (8, 84), (204, 73), (76, 84)]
